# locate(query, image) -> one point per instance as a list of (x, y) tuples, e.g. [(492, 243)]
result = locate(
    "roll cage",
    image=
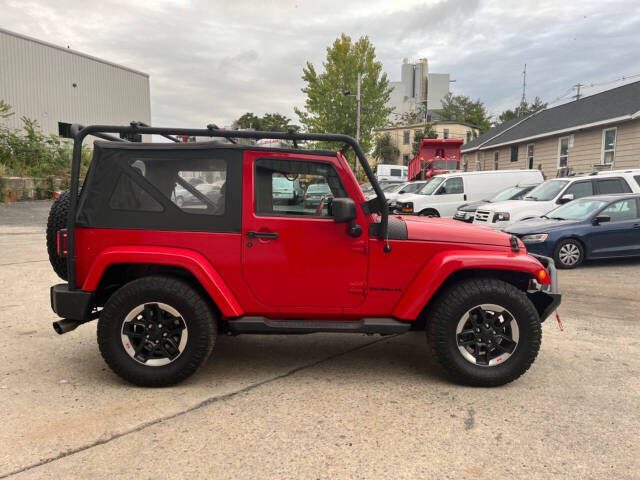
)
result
[(79, 133)]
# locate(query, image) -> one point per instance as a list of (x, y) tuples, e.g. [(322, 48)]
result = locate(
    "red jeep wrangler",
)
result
[(238, 255)]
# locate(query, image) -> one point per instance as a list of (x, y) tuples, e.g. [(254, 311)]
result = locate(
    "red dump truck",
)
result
[(435, 156)]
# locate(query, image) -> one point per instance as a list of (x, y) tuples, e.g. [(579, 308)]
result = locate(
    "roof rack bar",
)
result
[(213, 126), (170, 137), (101, 131)]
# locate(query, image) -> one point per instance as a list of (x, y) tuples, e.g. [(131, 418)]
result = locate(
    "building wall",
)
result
[(37, 80), (583, 155), (456, 130)]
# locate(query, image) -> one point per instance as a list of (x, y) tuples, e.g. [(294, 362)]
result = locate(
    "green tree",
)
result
[(270, 122), (384, 150), (328, 109), (462, 109), (428, 132), (522, 110)]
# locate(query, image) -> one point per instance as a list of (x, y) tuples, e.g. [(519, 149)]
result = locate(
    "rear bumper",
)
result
[(547, 299), (71, 304)]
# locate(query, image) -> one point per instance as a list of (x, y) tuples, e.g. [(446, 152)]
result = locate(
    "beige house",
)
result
[(402, 136), (599, 132)]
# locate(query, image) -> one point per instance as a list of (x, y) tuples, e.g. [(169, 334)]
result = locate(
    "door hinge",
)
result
[(356, 287)]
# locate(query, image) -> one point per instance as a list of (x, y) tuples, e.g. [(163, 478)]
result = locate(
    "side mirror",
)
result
[(401, 191), (343, 210), (567, 198), (601, 219)]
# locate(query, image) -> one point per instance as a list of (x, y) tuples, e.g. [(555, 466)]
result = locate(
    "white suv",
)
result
[(548, 195)]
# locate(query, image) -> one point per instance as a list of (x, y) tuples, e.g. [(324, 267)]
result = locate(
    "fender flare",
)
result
[(190, 260), (442, 265)]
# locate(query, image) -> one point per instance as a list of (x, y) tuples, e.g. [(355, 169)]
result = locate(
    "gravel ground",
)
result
[(316, 406)]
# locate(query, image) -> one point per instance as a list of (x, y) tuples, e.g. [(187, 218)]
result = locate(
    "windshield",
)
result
[(393, 188), (445, 165), (318, 188), (431, 186), (546, 191), (506, 194), (576, 210)]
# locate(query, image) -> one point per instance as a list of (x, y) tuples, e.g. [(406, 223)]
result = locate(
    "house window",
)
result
[(531, 148), (405, 159), (417, 133), (468, 136), (445, 133), (496, 160), (64, 130), (563, 152), (405, 139), (514, 153), (608, 145)]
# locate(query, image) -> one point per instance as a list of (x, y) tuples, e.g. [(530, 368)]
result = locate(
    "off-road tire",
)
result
[(568, 243), (449, 308), (197, 314), (58, 219)]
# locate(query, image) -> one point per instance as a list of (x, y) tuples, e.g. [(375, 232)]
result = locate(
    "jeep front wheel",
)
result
[(484, 332), (156, 331)]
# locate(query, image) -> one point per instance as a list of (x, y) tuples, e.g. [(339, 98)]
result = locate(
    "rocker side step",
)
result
[(384, 326)]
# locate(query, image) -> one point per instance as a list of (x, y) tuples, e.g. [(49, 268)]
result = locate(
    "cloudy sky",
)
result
[(214, 60)]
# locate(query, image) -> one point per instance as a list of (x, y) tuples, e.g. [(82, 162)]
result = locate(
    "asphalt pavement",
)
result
[(323, 406)]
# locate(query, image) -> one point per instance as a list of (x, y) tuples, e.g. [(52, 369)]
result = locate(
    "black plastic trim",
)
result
[(397, 230), (71, 304), (545, 302), (262, 325)]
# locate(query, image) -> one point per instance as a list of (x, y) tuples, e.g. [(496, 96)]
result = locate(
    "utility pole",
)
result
[(355, 163), (577, 87)]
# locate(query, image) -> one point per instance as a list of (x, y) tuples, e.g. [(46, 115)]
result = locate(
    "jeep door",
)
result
[(294, 254)]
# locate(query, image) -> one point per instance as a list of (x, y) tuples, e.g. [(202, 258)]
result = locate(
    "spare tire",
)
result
[(58, 218)]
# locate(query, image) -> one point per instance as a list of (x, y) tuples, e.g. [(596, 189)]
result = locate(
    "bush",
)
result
[(28, 152)]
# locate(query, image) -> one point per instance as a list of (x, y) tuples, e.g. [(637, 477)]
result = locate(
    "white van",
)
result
[(443, 194), (550, 194), (392, 172)]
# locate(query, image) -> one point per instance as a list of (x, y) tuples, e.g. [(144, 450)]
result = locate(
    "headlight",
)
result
[(535, 238), (406, 207), (501, 217)]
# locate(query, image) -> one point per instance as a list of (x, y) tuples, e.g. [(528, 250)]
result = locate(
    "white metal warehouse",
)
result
[(57, 86)]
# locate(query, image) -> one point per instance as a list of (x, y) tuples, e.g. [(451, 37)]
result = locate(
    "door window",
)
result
[(580, 189), (622, 210), (451, 186), (295, 188), (613, 185)]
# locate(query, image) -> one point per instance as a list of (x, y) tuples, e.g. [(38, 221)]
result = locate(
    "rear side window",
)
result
[(396, 172), (295, 187), (612, 185), (637, 179), (580, 189), (129, 196)]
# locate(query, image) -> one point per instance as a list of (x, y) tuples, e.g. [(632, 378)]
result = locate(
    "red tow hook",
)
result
[(559, 322)]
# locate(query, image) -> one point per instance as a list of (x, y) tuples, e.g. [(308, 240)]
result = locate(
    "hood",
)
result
[(511, 206), (539, 225), (447, 230), (473, 206)]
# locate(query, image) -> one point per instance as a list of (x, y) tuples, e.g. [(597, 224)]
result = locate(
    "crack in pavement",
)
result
[(22, 263), (204, 403)]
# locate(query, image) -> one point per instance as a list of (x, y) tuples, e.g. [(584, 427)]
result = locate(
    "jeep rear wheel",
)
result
[(484, 332), (156, 331)]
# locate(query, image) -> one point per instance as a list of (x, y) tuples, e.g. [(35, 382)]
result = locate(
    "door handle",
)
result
[(272, 235)]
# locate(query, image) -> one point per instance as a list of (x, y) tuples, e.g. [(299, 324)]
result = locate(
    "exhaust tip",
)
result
[(64, 326)]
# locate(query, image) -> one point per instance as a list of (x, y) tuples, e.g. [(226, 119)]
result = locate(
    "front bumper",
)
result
[(548, 298), (71, 304)]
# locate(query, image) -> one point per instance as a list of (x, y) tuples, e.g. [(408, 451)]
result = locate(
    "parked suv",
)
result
[(552, 193), (163, 280)]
